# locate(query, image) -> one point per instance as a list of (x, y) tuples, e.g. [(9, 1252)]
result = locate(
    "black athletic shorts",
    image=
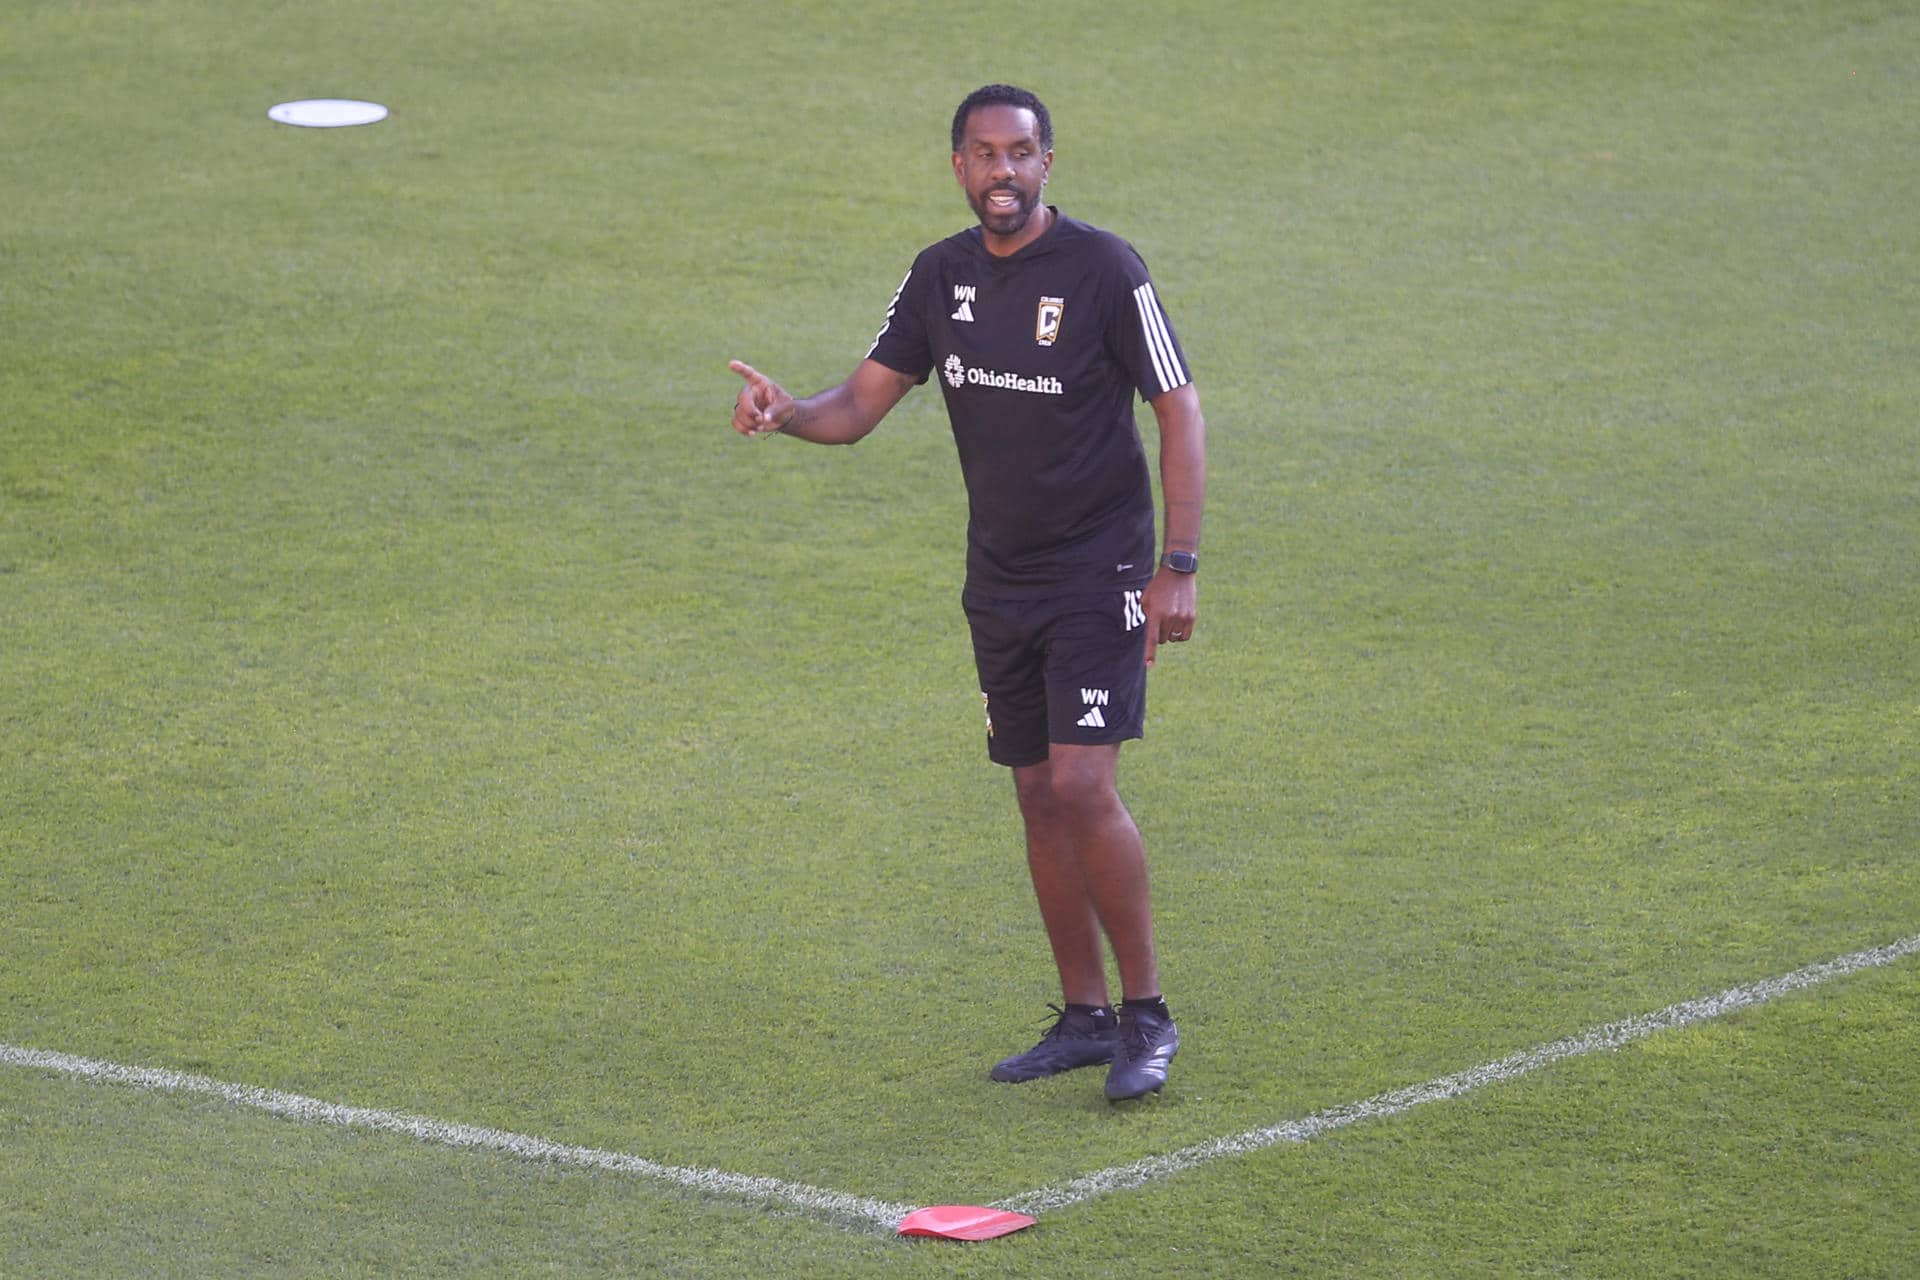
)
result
[(1068, 669)]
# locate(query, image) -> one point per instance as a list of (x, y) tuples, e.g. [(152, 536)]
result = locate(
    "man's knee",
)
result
[(1033, 787), (1075, 784)]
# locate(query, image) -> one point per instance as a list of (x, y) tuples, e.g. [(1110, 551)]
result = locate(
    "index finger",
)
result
[(747, 371)]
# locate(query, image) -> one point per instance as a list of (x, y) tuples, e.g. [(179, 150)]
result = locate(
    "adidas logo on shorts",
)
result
[(1094, 700)]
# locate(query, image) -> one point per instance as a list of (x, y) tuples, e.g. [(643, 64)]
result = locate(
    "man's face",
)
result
[(1002, 167)]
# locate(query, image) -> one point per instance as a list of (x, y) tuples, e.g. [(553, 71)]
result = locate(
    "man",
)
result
[(1041, 328)]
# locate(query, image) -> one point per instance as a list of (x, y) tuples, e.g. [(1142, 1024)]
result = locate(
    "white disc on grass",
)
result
[(327, 113)]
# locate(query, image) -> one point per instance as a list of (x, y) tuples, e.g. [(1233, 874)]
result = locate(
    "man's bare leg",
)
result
[(1089, 868)]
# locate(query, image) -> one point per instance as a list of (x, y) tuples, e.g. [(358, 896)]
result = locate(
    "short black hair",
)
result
[(1002, 95)]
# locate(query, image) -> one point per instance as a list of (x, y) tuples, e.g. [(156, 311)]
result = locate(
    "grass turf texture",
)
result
[(414, 697)]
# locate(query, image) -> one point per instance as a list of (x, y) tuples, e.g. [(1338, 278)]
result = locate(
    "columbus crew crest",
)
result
[(1046, 321)]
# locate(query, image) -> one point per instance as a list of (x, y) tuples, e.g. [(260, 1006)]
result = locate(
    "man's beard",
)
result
[(1013, 220)]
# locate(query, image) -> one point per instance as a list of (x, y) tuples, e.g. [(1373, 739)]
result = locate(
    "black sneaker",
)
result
[(1148, 1042), (1074, 1040)]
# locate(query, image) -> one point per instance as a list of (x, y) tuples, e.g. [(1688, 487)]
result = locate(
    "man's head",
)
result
[(1002, 154), (1003, 95)]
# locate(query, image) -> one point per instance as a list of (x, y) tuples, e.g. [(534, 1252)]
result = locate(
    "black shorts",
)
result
[(1068, 669)]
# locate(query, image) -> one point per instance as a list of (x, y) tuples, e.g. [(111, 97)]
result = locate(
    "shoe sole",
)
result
[(1048, 1075)]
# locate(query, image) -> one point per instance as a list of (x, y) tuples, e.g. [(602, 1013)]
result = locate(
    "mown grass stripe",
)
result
[(861, 1212), (1612, 1035), (834, 1206)]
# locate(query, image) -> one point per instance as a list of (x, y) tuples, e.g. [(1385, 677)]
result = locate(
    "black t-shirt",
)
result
[(1039, 355)]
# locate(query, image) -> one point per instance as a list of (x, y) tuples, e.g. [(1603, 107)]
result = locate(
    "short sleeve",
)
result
[(902, 343), (1141, 336)]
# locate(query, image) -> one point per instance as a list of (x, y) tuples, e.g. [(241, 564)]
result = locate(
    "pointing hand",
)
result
[(762, 404)]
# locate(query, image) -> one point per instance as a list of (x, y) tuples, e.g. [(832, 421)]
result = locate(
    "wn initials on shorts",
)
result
[(1130, 605)]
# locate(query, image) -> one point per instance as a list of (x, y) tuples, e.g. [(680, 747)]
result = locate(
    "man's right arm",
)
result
[(841, 414)]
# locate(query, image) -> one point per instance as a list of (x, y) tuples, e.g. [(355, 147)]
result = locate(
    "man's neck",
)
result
[(1006, 246)]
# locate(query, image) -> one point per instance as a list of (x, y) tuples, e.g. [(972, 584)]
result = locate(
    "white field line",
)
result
[(859, 1212), (1612, 1035), (818, 1202)]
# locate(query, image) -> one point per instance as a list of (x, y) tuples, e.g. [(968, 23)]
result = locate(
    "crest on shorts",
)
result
[(1046, 321)]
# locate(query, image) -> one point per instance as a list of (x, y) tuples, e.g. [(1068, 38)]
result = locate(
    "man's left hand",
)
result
[(1170, 606)]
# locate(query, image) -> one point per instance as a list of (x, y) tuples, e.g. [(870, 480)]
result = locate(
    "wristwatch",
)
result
[(1182, 562)]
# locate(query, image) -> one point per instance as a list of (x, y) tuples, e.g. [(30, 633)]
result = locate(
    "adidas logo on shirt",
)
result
[(964, 295)]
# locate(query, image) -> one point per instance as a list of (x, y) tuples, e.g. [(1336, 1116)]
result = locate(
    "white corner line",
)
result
[(860, 1213), (833, 1206), (1612, 1035)]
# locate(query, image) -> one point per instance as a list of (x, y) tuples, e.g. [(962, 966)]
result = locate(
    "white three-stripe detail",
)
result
[(891, 306), (1153, 323)]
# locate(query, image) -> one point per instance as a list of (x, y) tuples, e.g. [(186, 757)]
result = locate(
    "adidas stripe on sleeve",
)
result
[(903, 343), (1169, 372), (892, 307)]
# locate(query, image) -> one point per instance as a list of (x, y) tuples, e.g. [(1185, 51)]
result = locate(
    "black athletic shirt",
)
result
[(1039, 355)]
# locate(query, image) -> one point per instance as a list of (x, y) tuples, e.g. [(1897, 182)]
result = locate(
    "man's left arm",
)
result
[(1171, 599)]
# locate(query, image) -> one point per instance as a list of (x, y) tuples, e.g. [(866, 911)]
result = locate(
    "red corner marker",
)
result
[(962, 1222)]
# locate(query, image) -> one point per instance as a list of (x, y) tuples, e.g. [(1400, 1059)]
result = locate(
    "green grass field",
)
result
[(413, 696)]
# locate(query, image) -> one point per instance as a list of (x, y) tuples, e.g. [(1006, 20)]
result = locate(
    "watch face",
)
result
[(1182, 561)]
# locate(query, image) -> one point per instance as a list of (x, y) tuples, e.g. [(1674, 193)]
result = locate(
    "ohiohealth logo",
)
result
[(958, 374)]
